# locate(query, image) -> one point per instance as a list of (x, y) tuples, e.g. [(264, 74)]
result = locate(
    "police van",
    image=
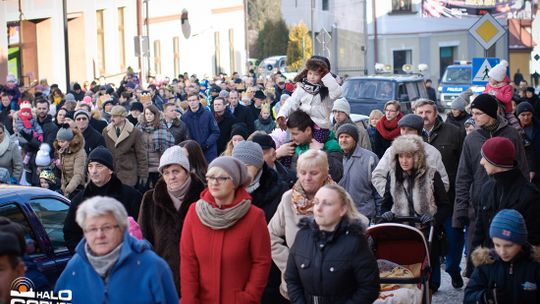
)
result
[(456, 79)]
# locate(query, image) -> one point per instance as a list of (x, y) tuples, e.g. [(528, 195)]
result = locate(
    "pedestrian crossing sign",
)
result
[(480, 69)]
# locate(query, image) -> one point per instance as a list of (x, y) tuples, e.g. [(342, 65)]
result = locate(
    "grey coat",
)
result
[(471, 175), (356, 180), (11, 160)]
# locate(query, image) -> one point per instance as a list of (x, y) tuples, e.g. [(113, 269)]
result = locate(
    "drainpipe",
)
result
[(66, 44), (375, 37)]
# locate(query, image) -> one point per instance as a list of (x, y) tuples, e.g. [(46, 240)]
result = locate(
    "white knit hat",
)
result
[(342, 105), (498, 72), (174, 155), (43, 156)]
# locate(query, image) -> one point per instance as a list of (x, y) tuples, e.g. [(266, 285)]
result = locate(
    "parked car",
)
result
[(42, 213), (366, 93)]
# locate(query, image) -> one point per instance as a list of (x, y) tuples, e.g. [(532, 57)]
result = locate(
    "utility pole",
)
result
[(148, 39), (313, 26), (66, 43)]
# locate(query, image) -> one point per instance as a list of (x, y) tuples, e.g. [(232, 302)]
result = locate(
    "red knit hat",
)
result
[(500, 152)]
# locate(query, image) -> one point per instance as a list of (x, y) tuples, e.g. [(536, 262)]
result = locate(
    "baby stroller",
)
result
[(402, 254)]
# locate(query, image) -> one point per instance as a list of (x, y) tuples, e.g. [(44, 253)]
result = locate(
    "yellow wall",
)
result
[(519, 60)]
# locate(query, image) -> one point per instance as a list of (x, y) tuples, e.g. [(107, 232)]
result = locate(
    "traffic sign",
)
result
[(487, 31), (480, 69)]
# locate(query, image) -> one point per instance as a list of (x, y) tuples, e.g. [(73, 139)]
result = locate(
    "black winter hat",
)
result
[(103, 156), (524, 106), (137, 106), (349, 129), (259, 94), (487, 104), (412, 121), (241, 129), (9, 245), (264, 140)]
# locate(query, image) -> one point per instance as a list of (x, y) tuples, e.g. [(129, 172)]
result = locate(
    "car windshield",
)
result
[(457, 75), (368, 89)]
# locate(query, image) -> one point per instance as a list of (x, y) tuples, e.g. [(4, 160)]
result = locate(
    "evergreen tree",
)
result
[(299, 48)]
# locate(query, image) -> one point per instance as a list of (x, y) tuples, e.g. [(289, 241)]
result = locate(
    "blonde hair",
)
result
[(347, 201), (375, 113), (228, 148), (313, 158)]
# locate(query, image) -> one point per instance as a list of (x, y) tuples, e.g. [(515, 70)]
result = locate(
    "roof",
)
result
[(389, 77), (13, 192)]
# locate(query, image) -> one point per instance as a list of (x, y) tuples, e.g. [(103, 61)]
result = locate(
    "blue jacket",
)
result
[(139, 276), (203, 129)]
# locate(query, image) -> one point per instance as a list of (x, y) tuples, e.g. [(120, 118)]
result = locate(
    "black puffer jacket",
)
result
[(331, 267), (128, 196), (518, 279), (507, 190)]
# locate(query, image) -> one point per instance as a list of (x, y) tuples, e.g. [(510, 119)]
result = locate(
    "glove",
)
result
[(388, 216), (463, 220), (494, 296), (143, 181), (426, 218), (27, 136)]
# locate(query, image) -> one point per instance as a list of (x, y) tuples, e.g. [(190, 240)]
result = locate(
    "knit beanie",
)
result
[(48, 175), (103, 156), (43, 155), (500, 152), (469, 122), (524, 107), (487, 104), (241, 129), (264, 140), (87, 100), (65, 133), (459, 104), (349, 129), (342, 105), (530, 89), (508, 224), (412, 121), (137, 106), (81, 112), (234, 167), (174, 155), (25, 107), (498, 72), (69, 97), (250, 153), (224, 94), (260, 95)]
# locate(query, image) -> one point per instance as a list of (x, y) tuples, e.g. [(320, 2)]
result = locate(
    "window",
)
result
[(176, 55), (14, 213), (232, 56), (157, 56), (52, 213), (325, 5), (121, 39), (446, 58), (217, 52), (401, 57), (100, 43), (401, 6)]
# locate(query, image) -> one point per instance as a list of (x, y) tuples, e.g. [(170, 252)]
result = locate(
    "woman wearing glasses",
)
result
[(387, 128), (225, 246), (109, 265), (164, 208)]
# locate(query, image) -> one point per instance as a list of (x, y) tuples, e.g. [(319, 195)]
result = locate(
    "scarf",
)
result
[(267, 121), (103, 264), (217, 218), (27, 121), (255, 183), (389, 129), (309, 87), (178, 196), (4, 145), (301, 204), (161, 137), (492, 128)]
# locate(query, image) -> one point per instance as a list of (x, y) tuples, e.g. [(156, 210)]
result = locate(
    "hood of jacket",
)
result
[(485, 256), (409, 144), (76, 144)]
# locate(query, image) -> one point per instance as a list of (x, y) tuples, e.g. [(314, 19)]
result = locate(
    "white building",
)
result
[(101, 38)]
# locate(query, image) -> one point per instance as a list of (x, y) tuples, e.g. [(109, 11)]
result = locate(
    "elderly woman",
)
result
[(157, 139), (414, 188), (313, 277), (109, 265), (225, 246), (297, 203), (10, 156), (164, 208)]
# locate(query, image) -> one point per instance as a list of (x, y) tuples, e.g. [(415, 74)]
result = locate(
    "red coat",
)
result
[(224, 266), (504, 94)]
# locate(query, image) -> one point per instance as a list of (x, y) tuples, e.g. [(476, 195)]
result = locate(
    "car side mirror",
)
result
[(404, 97)]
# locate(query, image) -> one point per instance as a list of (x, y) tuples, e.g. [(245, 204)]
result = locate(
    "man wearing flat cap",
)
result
[(103, 182), (127, 147)]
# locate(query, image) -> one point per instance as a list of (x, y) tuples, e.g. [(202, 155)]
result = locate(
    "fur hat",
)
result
[(43, 156), (174, 156), (409, 143), (498, 72), (342, 105), (509, 225)]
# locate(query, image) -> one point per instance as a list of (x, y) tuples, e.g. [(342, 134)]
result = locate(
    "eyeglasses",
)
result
[(105, 229), (217, 179), (81, 118), (391, 111)]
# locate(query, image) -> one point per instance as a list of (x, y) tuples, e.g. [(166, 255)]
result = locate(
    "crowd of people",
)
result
[(233, 190)]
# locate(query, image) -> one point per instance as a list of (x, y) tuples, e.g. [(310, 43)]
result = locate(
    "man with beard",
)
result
[(103, 182)]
